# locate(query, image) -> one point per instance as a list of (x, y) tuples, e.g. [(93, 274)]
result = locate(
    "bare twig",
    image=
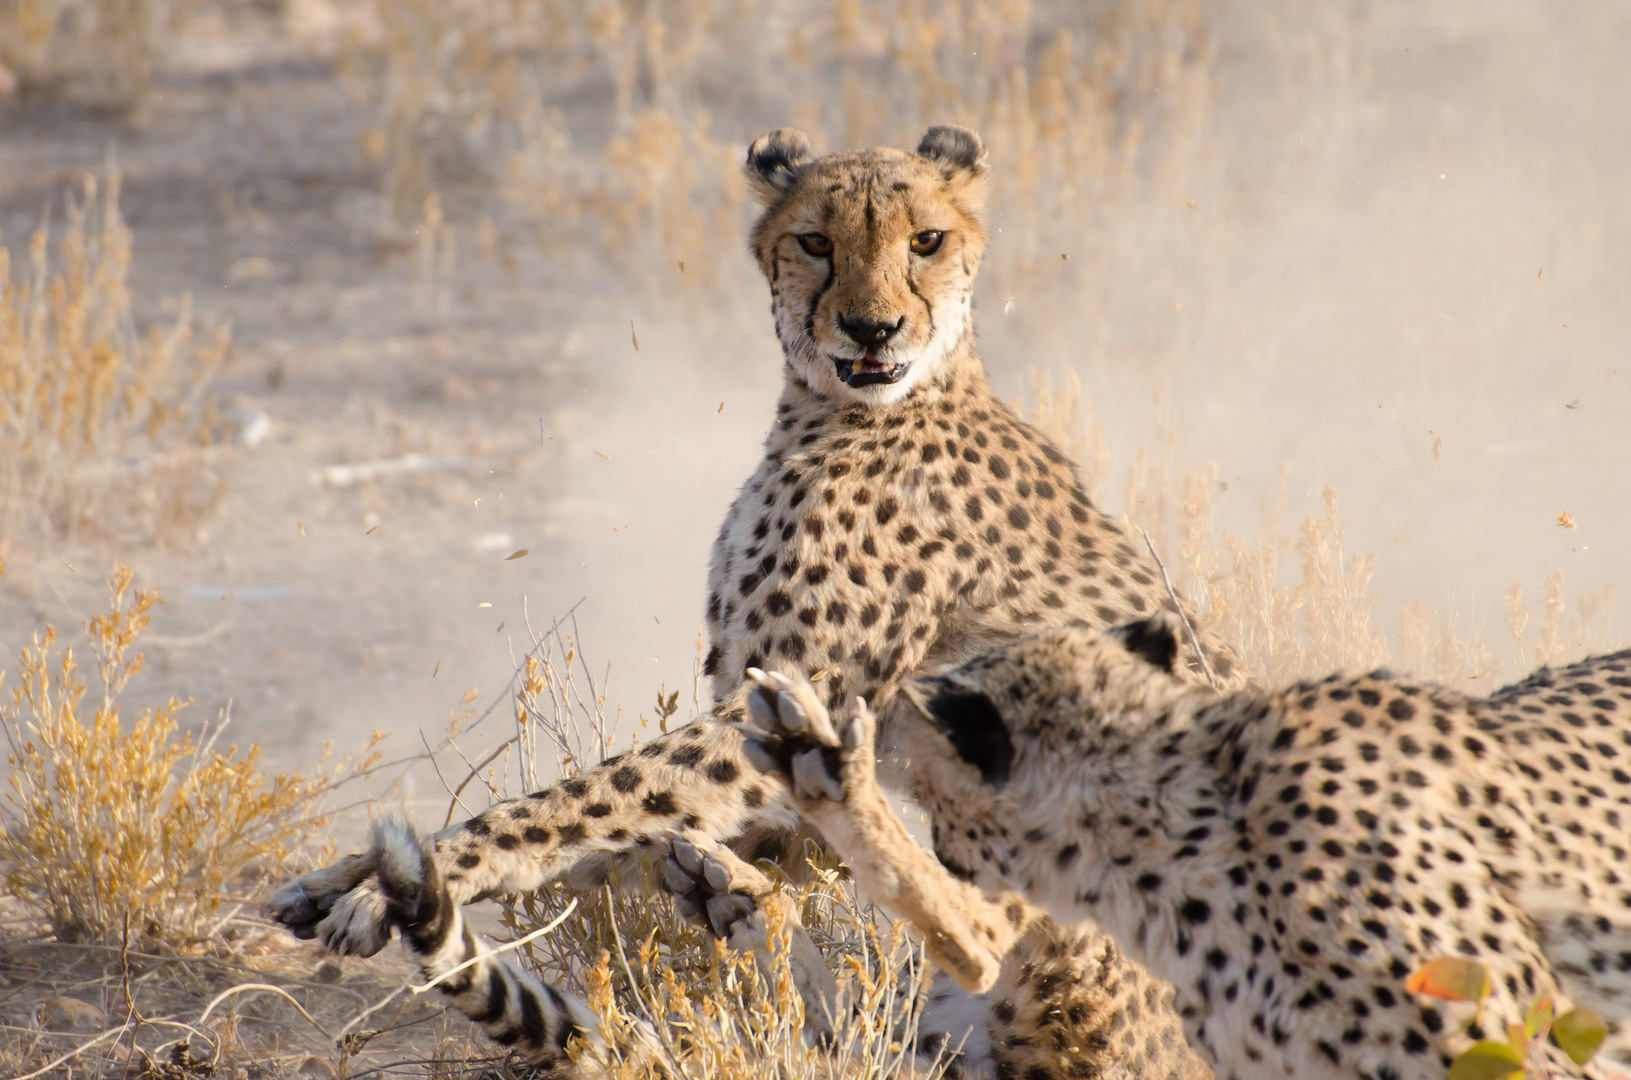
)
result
[(514, 675), (1177, 606), (432, 755), (475, 770), (130, 1003), (263, 988), (623, 957), (372, 1009), (516, 944)]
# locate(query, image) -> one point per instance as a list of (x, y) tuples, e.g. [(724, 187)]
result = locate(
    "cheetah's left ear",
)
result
[(1153, 640), (954, 147), (970, 722)]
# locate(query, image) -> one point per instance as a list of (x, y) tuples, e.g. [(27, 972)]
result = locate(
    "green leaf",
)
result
[(1579, 1032), (1451, 978), (1539, 1017), (1487, 1061)]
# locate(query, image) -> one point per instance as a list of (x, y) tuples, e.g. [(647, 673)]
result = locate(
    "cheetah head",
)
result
[(871, 256), (1058, 696)]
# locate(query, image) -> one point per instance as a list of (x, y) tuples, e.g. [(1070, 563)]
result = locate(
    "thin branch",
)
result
[(438, 769), (1177, 605), (516, 944), (372, 1009), (475, 770), (266, 988), (509, 686)]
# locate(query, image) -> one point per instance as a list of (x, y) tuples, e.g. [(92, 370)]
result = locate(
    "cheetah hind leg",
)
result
[(736, 902)]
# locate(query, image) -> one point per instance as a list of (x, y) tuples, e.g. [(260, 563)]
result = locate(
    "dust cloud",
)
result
[(1392, 254)]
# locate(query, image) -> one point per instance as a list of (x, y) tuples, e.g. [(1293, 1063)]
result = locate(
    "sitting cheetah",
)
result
[(902, 521), (1287, 859)]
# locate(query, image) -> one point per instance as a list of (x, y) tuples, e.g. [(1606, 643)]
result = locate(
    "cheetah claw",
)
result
[(793, 734), (711, 885), (339, 905)]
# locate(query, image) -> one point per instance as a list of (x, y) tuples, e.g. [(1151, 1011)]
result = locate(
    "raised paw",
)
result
[(711, 884), (339, 905), (793, 734), (714, 886), (358, 924)]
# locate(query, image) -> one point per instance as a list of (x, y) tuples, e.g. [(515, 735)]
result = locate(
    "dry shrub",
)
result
[(98, 52), (1290, 622), (102, 428), (1560, 636), (112, 829)]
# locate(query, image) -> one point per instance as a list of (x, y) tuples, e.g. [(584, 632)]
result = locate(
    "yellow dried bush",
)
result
[(102, 429), (702, 1012), (109, 829)]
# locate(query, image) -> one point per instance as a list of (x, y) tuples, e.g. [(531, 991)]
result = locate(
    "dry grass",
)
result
[(1075, 132), (98, 52), (1317, 616), (104, 431), (130, 855)]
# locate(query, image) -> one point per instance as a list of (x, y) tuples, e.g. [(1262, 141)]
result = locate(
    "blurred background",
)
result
[(383, 336)]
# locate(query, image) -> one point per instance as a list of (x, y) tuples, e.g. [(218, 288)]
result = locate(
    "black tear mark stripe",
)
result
[(924, 300), (809, 316)]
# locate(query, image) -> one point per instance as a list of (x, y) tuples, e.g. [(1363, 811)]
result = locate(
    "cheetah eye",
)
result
[(927, 242), (816, 244)]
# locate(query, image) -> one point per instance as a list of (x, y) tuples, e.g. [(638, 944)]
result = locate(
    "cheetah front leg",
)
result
[(692, 778), (832, 772), (736, 902)]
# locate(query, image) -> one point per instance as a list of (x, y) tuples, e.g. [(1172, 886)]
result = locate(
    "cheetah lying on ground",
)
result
[(1285, 858), (903, 520)]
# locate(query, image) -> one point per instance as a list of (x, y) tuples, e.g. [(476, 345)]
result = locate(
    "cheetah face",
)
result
[(871, 257)]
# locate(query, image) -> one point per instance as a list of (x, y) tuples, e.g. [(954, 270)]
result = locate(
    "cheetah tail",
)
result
[(515, 1008)]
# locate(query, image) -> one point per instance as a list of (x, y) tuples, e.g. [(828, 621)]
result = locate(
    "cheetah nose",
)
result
[(870, 333)]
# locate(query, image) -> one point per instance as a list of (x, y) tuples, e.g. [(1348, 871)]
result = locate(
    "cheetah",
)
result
[(902, 521), (1285, 858)]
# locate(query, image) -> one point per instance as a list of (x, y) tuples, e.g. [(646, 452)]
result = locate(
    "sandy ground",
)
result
[(1404, 280)]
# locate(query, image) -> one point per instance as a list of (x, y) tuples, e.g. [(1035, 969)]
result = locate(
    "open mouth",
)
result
[(868, 370)]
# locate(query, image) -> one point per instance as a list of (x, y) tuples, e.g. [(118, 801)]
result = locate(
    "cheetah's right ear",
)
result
[(1153, 640), (970, 722), (775, 159)]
